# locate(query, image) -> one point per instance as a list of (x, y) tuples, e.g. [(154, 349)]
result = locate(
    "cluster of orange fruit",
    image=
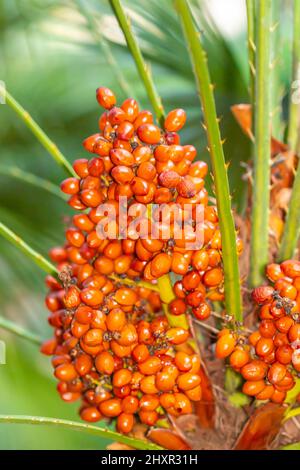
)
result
[(134, 158), (113, 349), (269, 359)]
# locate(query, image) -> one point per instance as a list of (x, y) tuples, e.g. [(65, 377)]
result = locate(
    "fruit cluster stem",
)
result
[(142, 67), (41, 136), (250, 5), (28, 250), (20, 331), (227, 227), (34, 180), (291, 232), (73, 425), (262, 132)]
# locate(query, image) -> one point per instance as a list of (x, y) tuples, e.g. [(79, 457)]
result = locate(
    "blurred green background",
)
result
[(54, 54)]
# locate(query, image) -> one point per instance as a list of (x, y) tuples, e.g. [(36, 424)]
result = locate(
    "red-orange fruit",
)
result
[(125, 422), (104, 363), (148, 417), (183, 361), (266, 393), (90, 414), (253, 387), (111, 408), (267, 328), (254, 370), (150, 366), (70, 186), (239, 358), (276, 372), (122, 377), (66, 372), (130, 404), (264, 347), (177, 307), (263, 294), (149, 133), (175, 120), (161, 264), (225, 345), (291, 268), (105, 97), (284, 354), (188, 381)]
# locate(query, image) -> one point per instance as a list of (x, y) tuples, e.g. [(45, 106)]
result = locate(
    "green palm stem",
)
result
[(77, 426), (294, 109), (104, 45), (292, 414), (250, 6), (262, 148), (12, 327), (291, 231), (166, 296), (276, 91), (41, 136), (294, 446), (32, 179), (28, 250), (228, 234), (131, 282), (142, 67)]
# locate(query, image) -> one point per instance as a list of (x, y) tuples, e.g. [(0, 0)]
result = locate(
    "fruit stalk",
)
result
[(28, 250), (251, 43), (293, 125), (32, 179), (136, 53), (42, 137), (262, 149), (130, 282), (72, 425), (20, 331), (166, 296), (292, 226), (276, 91), (230, 257)]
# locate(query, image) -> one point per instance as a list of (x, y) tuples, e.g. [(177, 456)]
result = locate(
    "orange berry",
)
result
[(150, 366), (276, 372), (70, 186), (105, 97), (291, 268), (175, 120), (263, 294), (188, 381), (149, 133), (225, 345), (253, 387), (264, 347), (239, 358), (90, 414), (125, 423), (104, 363), (66, 372), (161, 264), (254, 370), (121, 377), (111, 408)]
